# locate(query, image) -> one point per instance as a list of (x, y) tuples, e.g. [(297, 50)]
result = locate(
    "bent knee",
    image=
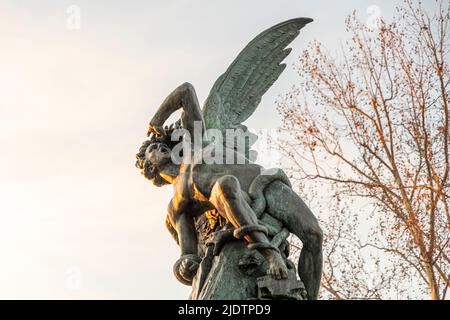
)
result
[(229, 186)]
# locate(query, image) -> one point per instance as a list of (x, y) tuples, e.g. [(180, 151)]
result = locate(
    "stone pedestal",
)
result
[(238, 273)]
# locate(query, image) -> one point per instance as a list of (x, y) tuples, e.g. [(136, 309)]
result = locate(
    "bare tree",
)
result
[(372, 128)]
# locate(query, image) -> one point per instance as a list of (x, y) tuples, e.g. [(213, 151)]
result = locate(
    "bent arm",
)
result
[(187, 235), (171, 228), (183, 97), (184, 227)]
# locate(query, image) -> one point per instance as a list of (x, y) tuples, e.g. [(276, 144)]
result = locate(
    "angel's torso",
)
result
[(194, 184)]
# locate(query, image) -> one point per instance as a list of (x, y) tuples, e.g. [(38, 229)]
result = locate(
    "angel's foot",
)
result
[(277, 266)]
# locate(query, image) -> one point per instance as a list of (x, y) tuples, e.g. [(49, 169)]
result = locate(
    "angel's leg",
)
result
[(227, 197)]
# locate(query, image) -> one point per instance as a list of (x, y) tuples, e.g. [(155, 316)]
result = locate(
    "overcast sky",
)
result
[(76, 218)]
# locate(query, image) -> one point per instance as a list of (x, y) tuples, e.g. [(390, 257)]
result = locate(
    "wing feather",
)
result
[(237, 93)]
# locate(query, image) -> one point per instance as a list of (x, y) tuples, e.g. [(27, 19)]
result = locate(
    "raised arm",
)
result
[(183, 97)]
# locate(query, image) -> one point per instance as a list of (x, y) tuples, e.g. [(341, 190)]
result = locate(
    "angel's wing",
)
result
[(236, 93)]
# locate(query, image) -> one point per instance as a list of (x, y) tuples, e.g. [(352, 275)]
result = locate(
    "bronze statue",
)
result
[(240, 199)]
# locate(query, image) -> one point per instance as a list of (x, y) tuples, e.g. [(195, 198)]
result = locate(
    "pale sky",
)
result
[(77, 218)]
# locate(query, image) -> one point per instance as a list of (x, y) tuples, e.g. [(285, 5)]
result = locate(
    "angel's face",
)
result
[(156, 156), (158, 153)]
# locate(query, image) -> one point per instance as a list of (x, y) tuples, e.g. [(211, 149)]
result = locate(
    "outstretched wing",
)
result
[(237, 93)]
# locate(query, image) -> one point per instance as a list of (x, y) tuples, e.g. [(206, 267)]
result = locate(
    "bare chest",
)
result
[(187, 192)]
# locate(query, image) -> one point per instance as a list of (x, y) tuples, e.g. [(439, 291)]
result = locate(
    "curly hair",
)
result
[(149, 170)]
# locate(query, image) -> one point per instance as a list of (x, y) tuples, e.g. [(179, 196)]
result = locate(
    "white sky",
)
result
[(77, 219)]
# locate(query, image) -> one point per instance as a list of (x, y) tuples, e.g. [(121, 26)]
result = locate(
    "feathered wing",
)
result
[(237, 93)]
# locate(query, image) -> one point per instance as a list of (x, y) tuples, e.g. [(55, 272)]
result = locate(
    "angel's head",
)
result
[(154, 156)]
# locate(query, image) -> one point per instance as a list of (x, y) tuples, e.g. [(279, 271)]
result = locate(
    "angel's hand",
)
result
[(219, 238), (155, 129), (186, 267)]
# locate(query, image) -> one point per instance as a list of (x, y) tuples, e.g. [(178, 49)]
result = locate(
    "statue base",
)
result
[(238, 273)]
